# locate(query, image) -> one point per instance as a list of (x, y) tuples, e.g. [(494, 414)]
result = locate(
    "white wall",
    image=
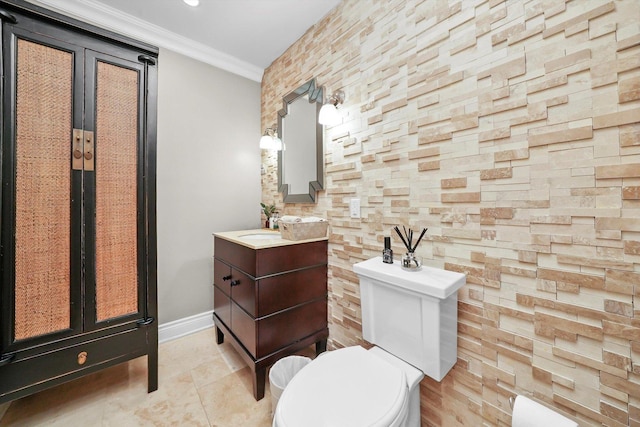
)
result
[(208, 175)]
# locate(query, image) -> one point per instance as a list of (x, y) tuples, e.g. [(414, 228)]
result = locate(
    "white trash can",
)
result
[(281, 373)]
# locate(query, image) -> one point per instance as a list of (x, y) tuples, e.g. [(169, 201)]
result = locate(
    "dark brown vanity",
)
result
[(270, 297)]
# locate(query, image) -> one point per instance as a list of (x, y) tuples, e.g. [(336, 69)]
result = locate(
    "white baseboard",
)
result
[(186, 326)]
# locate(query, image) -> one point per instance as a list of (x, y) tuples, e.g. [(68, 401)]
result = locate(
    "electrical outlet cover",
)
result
[(354, 208)]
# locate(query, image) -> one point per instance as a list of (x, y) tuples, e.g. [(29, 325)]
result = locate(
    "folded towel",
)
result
[(293, 218), (313, 219), (290, 218)]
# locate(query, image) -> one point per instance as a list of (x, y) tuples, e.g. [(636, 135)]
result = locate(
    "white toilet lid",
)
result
[(347, 387)]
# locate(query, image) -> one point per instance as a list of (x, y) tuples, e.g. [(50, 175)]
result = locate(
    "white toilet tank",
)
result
[(411, 314)]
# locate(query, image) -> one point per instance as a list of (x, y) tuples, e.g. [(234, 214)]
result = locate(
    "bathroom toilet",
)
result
[(411, 318)]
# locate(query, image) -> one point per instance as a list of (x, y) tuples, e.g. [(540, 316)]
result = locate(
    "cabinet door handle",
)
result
[(144, 322), (235, 282), (225, 278)]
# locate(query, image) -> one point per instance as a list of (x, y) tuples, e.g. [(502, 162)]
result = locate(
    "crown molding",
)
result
[(112, 19)]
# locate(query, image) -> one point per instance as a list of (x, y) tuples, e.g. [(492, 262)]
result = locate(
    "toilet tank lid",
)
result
[(434, 282)]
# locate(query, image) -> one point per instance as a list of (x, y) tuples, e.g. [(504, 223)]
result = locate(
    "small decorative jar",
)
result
[(411, 262)]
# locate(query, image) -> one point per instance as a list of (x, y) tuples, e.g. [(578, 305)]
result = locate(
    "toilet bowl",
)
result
[(411, 319), (352, 387)]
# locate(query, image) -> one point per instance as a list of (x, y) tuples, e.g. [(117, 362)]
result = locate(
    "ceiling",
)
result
[(248, 34)]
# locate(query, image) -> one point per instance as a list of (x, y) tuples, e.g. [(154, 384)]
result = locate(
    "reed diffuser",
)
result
[(410, 261)]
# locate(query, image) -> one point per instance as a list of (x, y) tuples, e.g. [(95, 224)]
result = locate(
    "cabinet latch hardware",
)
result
[(145, 322), (235, 282), (5, 359), (88, 151), (225, 278), (82, 357), (78, 152), (82, 152)]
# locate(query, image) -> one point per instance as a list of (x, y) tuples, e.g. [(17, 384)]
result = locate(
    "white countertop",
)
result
[(271, 239)]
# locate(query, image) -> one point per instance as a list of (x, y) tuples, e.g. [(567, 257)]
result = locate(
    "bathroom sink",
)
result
[(260, 236)]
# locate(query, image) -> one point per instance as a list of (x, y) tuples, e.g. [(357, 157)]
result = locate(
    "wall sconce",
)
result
[(270, 140), (329, 112)]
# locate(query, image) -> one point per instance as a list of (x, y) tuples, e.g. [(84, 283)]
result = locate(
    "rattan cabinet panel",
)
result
[(270, 302), (42, 189), (78, 244)]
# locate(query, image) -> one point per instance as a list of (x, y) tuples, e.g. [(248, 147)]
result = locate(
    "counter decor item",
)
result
[(269, 211), (301, 228), (410, 261), (387, 253), (273, 221)]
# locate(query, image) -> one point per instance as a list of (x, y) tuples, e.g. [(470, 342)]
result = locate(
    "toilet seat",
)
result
[(347, 387)]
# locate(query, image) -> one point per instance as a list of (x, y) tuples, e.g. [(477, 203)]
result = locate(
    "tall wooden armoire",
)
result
[(78, 222)]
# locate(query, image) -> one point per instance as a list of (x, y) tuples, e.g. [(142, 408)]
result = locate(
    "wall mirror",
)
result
[(301, 162)]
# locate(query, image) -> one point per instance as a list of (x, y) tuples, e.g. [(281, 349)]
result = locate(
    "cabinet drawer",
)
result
[(264, 336), (244, 328), (292, 257), (65, 360), (278, 331), (222, 306), (279, 292), (222, 276), (264, 262), (243, 291), (241, 257)]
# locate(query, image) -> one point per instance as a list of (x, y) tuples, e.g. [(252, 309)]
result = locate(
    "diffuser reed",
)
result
[(410, 261)]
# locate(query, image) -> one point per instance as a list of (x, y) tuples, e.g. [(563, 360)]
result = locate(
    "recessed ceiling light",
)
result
[(193, 3)]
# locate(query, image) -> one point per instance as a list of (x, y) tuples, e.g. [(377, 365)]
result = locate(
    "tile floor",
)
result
[(200, 384)]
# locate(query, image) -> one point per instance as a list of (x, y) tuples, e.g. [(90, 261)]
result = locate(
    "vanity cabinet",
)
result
[(78, 241), (270, 301)]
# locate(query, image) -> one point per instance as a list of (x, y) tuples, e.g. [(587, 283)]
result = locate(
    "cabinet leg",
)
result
[(152, 359), (321, 347), (152, 370), (219, 336), (259, 377)]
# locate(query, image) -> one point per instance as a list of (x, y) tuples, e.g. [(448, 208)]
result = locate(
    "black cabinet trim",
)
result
[(40, 362)]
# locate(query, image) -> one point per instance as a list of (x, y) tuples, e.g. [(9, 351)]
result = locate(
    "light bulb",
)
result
[(277, 144), (266, 142), (329, 115)]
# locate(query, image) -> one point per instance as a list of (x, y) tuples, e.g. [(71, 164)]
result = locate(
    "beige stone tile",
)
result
[(176, 402), (213, 370), (229, 402), (182, 355), (72, 403)]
